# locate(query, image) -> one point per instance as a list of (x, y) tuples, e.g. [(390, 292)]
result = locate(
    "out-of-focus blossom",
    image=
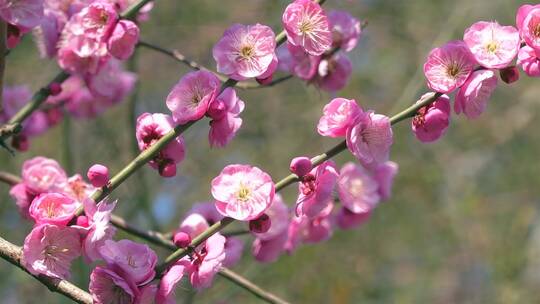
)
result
[(346, 219), (123, 39), (279, 216), (345, 29), (107, 286), (474, 95), (268, 250), (528, 24), (233, 251), (334, 72), (42, 174), (135, 261), (24, 13), (305, 230), (384, 174), (358, 189)]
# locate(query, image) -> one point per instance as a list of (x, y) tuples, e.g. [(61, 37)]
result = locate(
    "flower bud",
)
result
[(261, 224), (509, 74), (20, 142), (182, 239), (82, 221), (168, 169), (300, 165), (55, 88), (98, 175)]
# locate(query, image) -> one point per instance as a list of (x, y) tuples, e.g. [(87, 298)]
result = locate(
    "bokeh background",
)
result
[(462, 225)]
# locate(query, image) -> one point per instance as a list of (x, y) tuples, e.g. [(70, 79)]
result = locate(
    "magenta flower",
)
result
[(305, 230), (334, 72), (358, 189), (78, 54), (370, 138), (53, 208), (22, 198), (107, 286), (472, 98), (278, 213), (345, 30), (302, 64), (192, 95), (234, 247), (528, 24), (50, 249), (431, 121), (529, 61), (207, 261), (225, 112), (269, 250), (242, 192), (384, 174), (42, 174), (99, 229), (133, 260), (23, 13), (245, 51), (315, 190), (338, 116), (97, 20), (165, 292), (98, 175), (123, 39), (47, 34), (111, 84), (492, 45), (449, 66), (307, 26), (346, 219), (301, 165)]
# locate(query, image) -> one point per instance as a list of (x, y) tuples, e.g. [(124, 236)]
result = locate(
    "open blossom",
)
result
[(492, 45), (370, 138), (98, 227), (133, 260), (474, 95), (431, 121), (225, 112), (242, 192), (528, 24), (23, 13), (107, 286), (309, 230), (165, 292), (192, 95), (338, 116), (346, 219), (268, 250), (300, 63), (307, 26), (384, 175), (334, 72), (449, 66), (53, 208), (529, 61), (123, 39), (23, 199), (345, 30), (111, 84), (149, 129), (98, 19), (78, 189), (358, 189), (50, 249), (279, 216), (245, 51), (42, 174), (316, 190)]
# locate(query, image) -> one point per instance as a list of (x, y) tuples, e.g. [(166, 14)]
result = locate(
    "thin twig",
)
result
[(3, 53)]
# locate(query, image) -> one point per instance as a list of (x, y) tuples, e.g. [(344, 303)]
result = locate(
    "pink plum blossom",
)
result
[(77, 188), (370, 138), (123, 39), (345, 30), (47, 34), (194, 224), (338, 116), (384, 175), (107, 286), (42, 174), (99, 229), (98, 175), (225, 112), (278, 213), (334, 72), (492, 45), (529, 61), (165, 292), (431, 121), (53, 208), (449, 66), (23, 199), (474, 95), (358, 189), (23, 13), (97, 20), (242, 192), (132, 260), (208, 211), (528, 24), (315, 190), (269, 250), (301, 165), (50, 249), (192, 95), (234, 247), (305, 230), (346, 219), (111, 84), (302, 64), (245, 51), (307, 26)]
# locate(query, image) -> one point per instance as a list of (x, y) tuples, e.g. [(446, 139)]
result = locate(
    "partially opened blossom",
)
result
[(384, 175), (192, 95), (242, 192), (78, 54), (268, 250), (449, 66), (225, 112), (123, 39), (370, 138), (529, 61), (345, 29), (99, 229), (346, 219), (334, 72), (42, 174), (315, 190), (24, 13), (338, 116), (492, 45), (309, 230), (50, 249), (528, 23), (279, 216), (431, 121), (133, 260), (53, 208), (234, 247), (107, 286), (245, 51), (307, 26), (358, 189), (473, 97)]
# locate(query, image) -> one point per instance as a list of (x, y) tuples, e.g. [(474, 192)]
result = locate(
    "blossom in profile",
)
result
[(431, 121), (449, 66), (307, 26), (384, 174), (358, 189), (529, 61), (135, 261), (315, 190), (225, 113), (338, 116), (242, 192), (370, 138), (123, 39), (97, 227), (53, 208), (300, 63), (246, 51), (334, 72), (345, 29), (107, 286), (474, 95)]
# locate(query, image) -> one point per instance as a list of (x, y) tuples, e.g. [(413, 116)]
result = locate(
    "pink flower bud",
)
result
[(98, 175), (509, 74), (168, 169), (261, 224), (20, 142), (182, 239), (264, 81), (300, 165), (83, 221), (55, 88)]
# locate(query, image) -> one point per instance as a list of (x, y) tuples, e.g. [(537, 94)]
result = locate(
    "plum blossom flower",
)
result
[(207, 210), (473, 96), (307, 26), (123, 39), (23, 199), (278, 213), (269, 250), (334, 72), (133, 260), (194, 224), (370, 138), (529, 61), (23, 13), (298, 62), (449, 66), (301, 165), (345, 29), (358, 189), (492, 45), (106, 286), (42, 174), (234, 247), (338, 116), (315, 190), (528, 24), (242, 192), (111, 84), (225, 112), (149, 129), (192, 95), (431, 121), (99, 229), (77, 189), (384, 175), (346, 219), (305, 230), (165, 292), (50, 249), (53, 208), (246, 51)]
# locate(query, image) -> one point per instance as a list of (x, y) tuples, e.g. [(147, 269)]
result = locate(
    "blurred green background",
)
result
[(461, 227)]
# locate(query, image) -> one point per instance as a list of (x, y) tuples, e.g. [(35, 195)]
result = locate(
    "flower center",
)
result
[(246, 52), (356, 187), (536, 30), (51, 250), (492, 47), (453, 69), (131, 261), (103, 17), (50, 210), (306, 26), (243, 193)]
